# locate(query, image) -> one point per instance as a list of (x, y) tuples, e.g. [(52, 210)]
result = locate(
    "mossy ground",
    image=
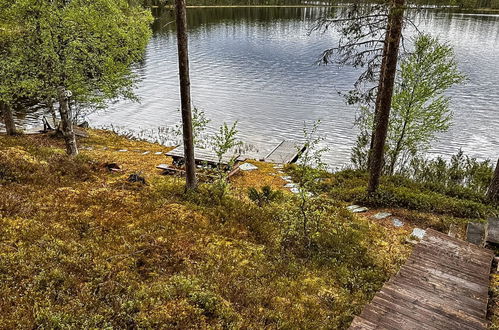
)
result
[(81, 247)]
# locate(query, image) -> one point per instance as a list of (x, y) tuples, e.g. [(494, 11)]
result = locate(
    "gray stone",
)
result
[(295, 190), (381, 215), (287, 178), (418, 233), (123, 150), (360, 210), (352, 207), (158, 153), (476, 233), (493, 230), (357, 208), (146, 152), (291, 185), (247, 167), (397, 222)]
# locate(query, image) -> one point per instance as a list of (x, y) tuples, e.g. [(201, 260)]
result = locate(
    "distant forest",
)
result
[(471, 4)]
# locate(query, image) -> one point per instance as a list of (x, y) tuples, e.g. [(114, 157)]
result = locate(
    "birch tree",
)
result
[(420, 109), (79, 48)]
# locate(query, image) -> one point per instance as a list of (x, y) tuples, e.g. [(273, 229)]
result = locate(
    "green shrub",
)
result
[(401, 192), (265, 196), (210, 304)]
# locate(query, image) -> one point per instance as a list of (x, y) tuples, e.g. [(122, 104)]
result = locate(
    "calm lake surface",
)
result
[(257, 66)]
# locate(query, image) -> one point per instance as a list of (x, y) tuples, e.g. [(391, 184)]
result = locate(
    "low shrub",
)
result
[(265, 196), (400, 192)]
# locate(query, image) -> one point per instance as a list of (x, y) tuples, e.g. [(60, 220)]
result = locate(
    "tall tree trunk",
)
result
[(385, 92), (66, 124), (493, 191), (185, 94), (8, 118)]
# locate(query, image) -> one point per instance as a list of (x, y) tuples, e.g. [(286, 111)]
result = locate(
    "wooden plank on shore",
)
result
[(443, 285), (418, 306), (285, 152), (362, 324), (204, 155)]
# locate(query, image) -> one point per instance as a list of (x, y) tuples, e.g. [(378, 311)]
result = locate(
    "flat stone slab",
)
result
[(248, 167), (493, 230), (357, 208), (287, 178), (418, 233), (381, 215), (353, 207), (158, 153), (291, 185), (397, 223), (123, 150), (476, 233)]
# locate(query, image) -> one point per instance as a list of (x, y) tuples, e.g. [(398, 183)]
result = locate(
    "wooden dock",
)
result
[(443, 285), (203, 156), (285, 152)]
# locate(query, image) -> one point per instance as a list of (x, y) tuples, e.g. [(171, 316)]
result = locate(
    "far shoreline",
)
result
[(456, 9)]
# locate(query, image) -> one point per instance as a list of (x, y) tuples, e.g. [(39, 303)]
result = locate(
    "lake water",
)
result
[(257, 66)]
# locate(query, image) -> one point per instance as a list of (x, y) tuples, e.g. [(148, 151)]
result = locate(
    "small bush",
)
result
[(401, 192), (265, 196)]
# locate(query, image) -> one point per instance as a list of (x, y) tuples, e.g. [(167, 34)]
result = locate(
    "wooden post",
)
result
[(493, 191), (185, 94), (66, 123), (385, 92), (8, 118)]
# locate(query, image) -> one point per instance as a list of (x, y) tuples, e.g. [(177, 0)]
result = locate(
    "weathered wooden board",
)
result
[(204, 156), (443, 285), (285, 152)]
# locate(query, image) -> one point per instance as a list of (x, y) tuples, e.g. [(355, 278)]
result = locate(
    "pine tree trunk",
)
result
[(8, 118), (493, 191), (185, 94), (385, 92), (66, 124)]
